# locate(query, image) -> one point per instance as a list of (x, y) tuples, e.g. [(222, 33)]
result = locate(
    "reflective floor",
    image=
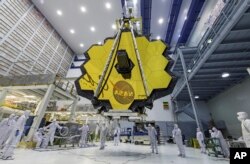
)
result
[(122, 154)]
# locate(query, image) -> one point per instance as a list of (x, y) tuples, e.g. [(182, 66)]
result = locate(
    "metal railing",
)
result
[(85, 108), (178, 85), (210, 35), (66, 86), (213, 31)]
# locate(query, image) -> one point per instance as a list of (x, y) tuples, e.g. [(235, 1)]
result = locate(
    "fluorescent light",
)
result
[(59, 12), (113, 26), (83, 9), (72, 31), (92, 28), (196, 97), (158, 37), (225, 75), (11, 97), (32, 101), (108, 5), (81, 45), (29, 96), (209, 41), (189, 70), (160, 21)]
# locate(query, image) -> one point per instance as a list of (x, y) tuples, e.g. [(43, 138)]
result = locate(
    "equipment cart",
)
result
[(213, 147)]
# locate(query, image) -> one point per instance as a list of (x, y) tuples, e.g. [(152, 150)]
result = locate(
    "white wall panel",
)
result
[(29, 44)]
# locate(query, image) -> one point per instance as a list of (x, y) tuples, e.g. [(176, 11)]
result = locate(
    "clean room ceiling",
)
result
[(85, 22), (80, 22)]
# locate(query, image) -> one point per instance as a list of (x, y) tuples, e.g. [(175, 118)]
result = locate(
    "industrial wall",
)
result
[(184, 117), (203, 112), (227, 104), (158, 113), (29, 44), (186, 120)]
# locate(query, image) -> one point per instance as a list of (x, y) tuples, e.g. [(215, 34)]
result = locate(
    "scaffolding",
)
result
[(192, 59)]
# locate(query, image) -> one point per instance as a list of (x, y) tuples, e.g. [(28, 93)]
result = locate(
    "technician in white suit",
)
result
[(15, 136), (117, 133), (52, 130), (152, 133), (211, 133), (6, 126), (84, 135), (177, 135), (38, 138), (200, 138), (245, 126), (224, 145), (103, 135), (97, 130)]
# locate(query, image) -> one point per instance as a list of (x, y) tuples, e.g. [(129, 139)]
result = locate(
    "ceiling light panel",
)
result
[(209, 41), (72, 31), (113, 26), (10, 97), (225, 75), (59, 12), (108, 5), (161, 20), (83, 9), (29, 96), (84, 15), (92, 28), (196, 97)]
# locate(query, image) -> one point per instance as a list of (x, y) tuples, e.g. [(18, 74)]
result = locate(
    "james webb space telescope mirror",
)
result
[(127, 72)]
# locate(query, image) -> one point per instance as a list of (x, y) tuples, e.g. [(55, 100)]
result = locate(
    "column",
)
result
[(175, 108), (3, 94), (73, 110), (188, 87), (171, 109), (41, 108), (87, 120), (1, 115)]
